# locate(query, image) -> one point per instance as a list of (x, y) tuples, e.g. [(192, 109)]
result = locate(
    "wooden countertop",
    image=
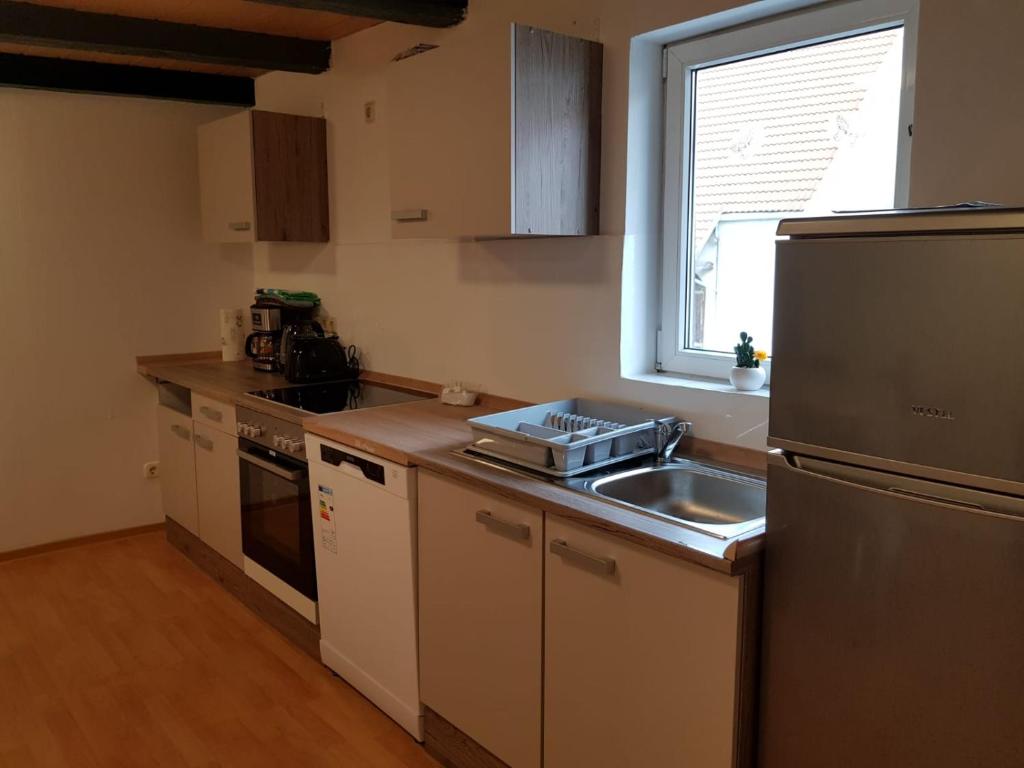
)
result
[(425, 433)]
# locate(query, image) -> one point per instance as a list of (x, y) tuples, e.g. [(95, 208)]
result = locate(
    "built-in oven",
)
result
[(277, 522)]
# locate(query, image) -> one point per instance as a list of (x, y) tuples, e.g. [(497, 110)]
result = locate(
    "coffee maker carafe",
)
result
[(264, 343)]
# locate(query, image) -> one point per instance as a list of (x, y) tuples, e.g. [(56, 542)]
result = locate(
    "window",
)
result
[(800, 115)]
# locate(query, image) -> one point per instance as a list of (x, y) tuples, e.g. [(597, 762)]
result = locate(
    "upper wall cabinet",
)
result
[(263, 177), (496, 134)]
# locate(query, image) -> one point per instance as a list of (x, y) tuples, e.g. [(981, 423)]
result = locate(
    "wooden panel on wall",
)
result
[(290, 174), (557, 133)]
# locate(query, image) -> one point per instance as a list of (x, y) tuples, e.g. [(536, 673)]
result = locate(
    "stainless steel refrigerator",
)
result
[(894, 570)]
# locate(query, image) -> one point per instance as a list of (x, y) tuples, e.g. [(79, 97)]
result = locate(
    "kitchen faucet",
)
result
[(669, 435)]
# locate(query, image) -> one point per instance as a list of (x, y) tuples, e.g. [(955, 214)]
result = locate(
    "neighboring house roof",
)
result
[(769, 127)]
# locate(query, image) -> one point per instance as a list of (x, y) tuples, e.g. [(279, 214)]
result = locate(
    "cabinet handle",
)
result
[(211, 413), (409, 214), (204, 442), (239, 226), (181, 432), (603, 565), (269, 466), (496, 524)]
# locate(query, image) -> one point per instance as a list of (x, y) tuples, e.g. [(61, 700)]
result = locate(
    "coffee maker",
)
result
[(264, 343)]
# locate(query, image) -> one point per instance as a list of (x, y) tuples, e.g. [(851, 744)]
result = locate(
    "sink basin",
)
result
[(721, 503)]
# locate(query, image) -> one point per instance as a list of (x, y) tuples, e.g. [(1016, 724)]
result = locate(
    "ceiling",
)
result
[(205, 51), (227, 14)]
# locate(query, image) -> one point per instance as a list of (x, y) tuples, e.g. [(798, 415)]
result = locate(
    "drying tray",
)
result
[(567, 437)]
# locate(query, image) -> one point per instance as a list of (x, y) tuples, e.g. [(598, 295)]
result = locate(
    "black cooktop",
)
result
[(332, 396)]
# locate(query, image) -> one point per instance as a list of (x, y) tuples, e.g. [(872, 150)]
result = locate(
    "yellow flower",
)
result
[(761, 355)]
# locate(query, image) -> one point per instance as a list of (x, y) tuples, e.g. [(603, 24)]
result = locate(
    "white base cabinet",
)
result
[(640, 655), (177, 468), (217, 491), (199, 483), (480, 593)]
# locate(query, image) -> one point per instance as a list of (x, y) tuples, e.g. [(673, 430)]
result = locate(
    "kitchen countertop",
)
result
[(425, 433), (206, 374)]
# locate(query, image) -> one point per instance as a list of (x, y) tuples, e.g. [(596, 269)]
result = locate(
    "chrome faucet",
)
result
[(669, 435)]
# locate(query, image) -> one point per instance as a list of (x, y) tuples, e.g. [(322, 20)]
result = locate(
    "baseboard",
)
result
[(408, 717), (453, 748), (42, 549), (281, 617)]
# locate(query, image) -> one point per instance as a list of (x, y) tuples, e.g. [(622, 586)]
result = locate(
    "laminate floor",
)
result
[(122, 653)]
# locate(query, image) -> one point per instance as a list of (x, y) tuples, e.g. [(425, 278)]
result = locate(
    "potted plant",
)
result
[(748, 375)]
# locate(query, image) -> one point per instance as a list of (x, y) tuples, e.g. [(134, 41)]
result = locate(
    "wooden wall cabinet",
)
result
[(640, 655), (496, 134), (263, 177), (480, 604)]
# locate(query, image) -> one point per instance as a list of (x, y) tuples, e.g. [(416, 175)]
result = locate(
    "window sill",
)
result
[(681, 381)]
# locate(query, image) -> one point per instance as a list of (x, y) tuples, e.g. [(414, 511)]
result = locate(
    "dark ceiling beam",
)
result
[(45, 73), (41, 25), (425, 13)]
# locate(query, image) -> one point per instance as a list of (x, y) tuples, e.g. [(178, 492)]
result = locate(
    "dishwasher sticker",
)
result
[(328, 533)]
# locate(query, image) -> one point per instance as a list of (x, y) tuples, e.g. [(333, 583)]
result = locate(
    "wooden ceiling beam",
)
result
[(425, 13), (41, 25), (51, 74)]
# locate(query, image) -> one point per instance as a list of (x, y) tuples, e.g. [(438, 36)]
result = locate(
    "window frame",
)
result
[(817, 24)]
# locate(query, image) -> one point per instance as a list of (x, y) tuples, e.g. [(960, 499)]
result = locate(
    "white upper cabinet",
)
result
[(496, 134)]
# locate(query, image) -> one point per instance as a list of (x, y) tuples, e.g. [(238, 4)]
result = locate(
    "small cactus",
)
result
[(746, 355)]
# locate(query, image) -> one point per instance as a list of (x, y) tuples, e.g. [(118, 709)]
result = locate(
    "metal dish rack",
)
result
[(567, 437)]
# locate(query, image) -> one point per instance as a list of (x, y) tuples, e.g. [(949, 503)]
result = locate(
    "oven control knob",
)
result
[(255, 430), (241, 427), (278, 441), (299, 446)]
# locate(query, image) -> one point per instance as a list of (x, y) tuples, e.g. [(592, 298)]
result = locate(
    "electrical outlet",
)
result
[(151, 469), (370, 111)]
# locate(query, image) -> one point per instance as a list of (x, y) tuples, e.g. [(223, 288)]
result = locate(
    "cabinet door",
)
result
[(177, 468), (480, 566), (289, 155), (226, 181), (450, 132), (640, 656), (220, 506)]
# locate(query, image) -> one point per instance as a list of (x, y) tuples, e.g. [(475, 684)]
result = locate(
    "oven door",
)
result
[(277, 525)]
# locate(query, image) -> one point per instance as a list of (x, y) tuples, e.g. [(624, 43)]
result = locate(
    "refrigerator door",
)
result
[(893, 621), (902, 353)]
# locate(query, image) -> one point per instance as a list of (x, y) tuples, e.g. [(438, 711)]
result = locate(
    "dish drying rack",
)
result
[(568, 437)]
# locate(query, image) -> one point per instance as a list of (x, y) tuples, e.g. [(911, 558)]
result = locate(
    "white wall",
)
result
[(540, 319), (100, 260)]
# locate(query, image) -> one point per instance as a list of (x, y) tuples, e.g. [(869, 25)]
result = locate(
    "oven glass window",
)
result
[(276, 525)]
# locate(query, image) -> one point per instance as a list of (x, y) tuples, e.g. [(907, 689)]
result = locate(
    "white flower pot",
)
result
[(747, 379)]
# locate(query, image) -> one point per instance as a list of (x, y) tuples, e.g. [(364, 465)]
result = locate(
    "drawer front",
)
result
[(214, 413)]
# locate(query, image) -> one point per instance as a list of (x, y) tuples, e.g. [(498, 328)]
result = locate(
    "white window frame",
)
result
[(814, 25)]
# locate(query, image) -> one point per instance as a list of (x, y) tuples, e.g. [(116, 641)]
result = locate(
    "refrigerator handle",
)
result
[(936, 498), (926, 491)]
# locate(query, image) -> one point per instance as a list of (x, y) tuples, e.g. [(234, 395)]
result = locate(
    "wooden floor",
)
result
[(123, 653)]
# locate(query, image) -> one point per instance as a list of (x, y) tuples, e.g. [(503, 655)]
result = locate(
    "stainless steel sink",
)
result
[(722, 503)]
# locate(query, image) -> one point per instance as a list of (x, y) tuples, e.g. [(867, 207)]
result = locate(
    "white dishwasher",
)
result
[(364, 531)]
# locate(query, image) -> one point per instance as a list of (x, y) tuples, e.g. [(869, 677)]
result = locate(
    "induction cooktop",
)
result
[(333, 396)]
